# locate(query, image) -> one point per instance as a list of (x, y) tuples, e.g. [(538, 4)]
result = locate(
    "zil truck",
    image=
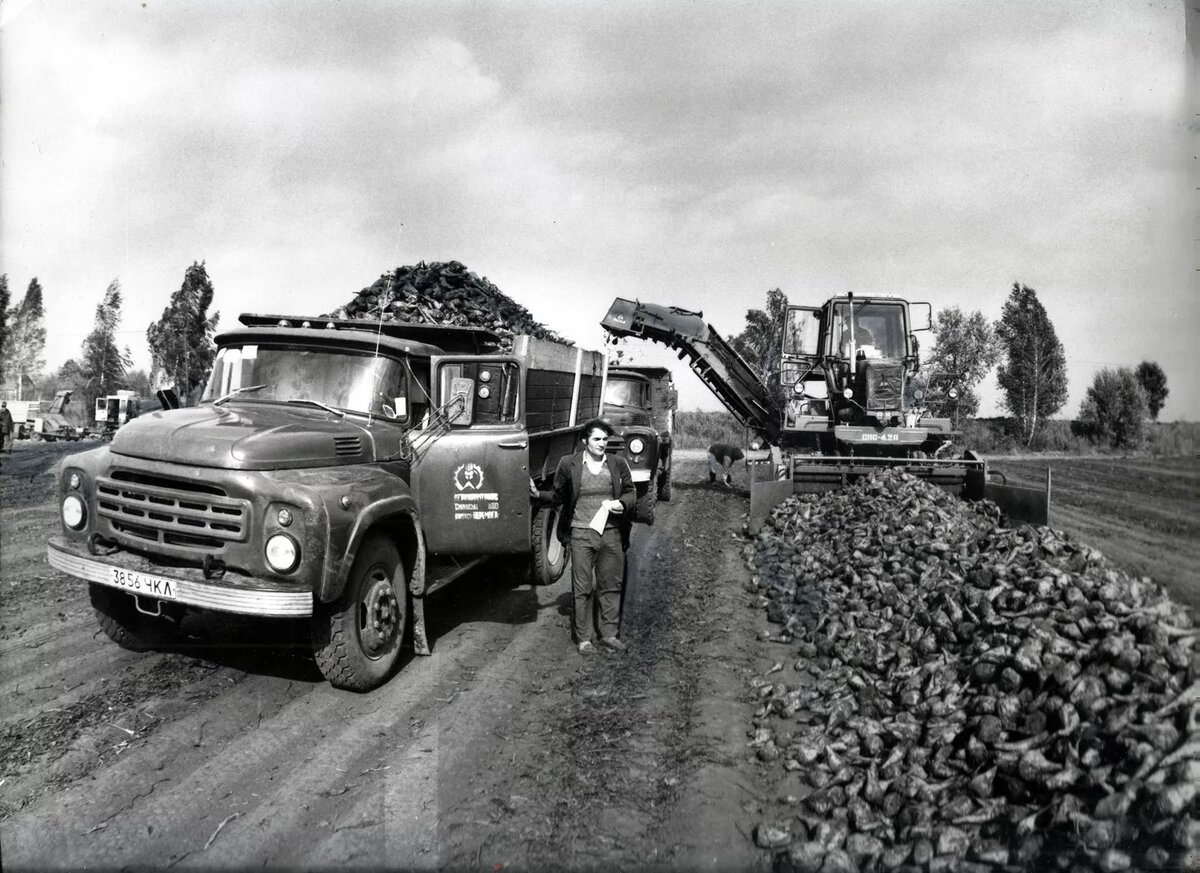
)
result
[(338, 471), (640, 402), (851, 400)]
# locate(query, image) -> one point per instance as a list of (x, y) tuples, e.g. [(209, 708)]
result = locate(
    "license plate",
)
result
[(142, 583)]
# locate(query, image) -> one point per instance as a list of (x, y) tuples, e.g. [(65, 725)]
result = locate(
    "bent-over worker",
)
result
[(720, 462)]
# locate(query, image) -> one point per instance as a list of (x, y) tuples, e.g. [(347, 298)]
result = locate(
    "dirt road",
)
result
[(504, 749)]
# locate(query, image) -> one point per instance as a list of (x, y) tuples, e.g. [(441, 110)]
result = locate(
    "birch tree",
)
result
[(1033, 377), (102, 363), (181, 343)]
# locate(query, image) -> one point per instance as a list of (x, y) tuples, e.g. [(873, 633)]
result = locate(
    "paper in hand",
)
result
[(599, 519)]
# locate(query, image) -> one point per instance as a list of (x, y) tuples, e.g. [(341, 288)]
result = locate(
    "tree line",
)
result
[(1023, 348), (181, 344)]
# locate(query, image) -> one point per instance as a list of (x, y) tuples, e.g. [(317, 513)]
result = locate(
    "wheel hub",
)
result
[(380, 617)]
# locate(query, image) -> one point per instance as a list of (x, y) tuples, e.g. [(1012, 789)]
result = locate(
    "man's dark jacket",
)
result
[(567, 479)]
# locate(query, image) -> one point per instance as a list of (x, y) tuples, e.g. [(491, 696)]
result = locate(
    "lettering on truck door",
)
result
[(473, 482)]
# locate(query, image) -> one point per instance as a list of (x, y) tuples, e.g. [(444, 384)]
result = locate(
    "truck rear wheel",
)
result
[(549, 554), (356, 638), (122, 623)]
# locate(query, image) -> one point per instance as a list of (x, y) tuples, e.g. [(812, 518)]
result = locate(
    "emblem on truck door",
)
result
[(468, 476)]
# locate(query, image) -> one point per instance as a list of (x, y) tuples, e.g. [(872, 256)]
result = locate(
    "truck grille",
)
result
[(170, 511)]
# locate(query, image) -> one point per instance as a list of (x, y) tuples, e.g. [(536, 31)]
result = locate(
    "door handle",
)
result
[(515, 444)]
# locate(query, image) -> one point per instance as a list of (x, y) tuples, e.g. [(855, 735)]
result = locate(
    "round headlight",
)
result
[(73, 481), (74, 513), (282, 553), (636, 445), (847, 393)]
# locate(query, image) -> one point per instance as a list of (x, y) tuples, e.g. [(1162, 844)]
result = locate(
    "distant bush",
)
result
[(1173, 439), (999, 436), (699, 430), (1114, 410)]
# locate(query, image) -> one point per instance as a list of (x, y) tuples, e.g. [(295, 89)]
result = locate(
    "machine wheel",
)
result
[(356, 638), (549, 553), (121, 621), (664, 485)]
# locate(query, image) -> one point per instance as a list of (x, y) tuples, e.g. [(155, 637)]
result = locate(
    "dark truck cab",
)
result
[(335, 469), (640, 402)]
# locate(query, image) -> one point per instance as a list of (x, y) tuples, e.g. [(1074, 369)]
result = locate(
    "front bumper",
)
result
[(233, 593)]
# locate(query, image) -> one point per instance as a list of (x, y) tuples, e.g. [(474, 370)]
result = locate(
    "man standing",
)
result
[(720, 462), (596, 496), (6, 427)]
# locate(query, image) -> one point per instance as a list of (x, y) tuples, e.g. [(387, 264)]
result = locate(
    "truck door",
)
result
[(472, 482)]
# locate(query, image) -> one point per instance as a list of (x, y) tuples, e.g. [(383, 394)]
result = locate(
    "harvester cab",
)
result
[(852, 370)]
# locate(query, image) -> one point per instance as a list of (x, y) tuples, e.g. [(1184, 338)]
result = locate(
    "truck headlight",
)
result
[(282, 553), (636, 445), (74, 512)]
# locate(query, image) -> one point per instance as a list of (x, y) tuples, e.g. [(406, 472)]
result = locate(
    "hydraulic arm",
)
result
[(719, 367)]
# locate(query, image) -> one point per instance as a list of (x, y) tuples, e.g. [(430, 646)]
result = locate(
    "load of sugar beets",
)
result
[(444, 293), (966, 695)]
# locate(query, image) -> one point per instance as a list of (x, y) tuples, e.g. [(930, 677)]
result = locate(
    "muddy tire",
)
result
[(357, 638), (549, 553), (664, 485), (121, 622)]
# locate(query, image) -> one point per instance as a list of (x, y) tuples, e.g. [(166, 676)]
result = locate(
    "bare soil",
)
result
[(505, 749)]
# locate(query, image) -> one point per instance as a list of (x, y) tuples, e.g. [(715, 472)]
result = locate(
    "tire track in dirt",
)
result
[(309, 772)]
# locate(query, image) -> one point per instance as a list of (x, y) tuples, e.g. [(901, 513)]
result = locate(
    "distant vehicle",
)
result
[(24, 412), (640, 402), (116, 409), (53, 425)]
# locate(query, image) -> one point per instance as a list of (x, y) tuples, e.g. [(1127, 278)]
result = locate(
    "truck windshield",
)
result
[(623, 392), (344, 380)]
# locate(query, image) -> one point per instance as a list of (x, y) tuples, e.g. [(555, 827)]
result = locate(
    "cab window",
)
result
[(480, 393)]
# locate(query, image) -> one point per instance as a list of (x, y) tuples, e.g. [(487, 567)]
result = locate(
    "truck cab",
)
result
[(640, 402), (334, 470)]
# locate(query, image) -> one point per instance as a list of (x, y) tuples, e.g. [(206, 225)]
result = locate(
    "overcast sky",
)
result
[(690, 153)]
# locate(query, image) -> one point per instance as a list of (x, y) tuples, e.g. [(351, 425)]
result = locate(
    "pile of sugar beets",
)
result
[(444, 293), (969, 695)]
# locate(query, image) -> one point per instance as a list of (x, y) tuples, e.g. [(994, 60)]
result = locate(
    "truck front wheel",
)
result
[(549, 554), (122, 623), (356, 638)]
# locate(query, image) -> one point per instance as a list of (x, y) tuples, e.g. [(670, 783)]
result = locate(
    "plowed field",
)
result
[(504, 749)]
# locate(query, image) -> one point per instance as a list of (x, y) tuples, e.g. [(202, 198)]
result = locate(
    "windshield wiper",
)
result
[(318, 403), (236, 391)]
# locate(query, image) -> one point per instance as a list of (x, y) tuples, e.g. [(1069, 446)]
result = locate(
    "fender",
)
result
[(400, 505)]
